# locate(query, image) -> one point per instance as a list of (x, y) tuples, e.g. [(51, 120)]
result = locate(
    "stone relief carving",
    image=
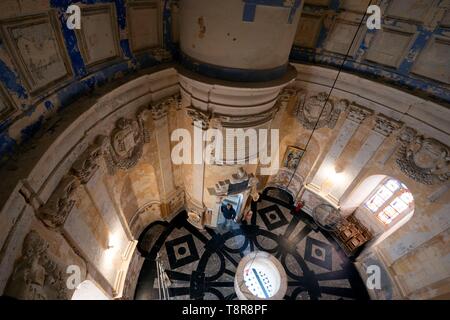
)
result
[(317, 112), (358, 113), (55, 212), (385, 125), (199, 117), (126, 144), (88, 163), (36, 276), (425, 160), (122, 149), (160, 109), (177, 97)]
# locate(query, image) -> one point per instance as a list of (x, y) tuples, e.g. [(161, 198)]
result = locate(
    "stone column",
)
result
[(355, 117), (382, 129)]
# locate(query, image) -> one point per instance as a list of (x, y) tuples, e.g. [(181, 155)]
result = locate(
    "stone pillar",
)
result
[(382, 129), (355, 117), (195, 205), (166, 183)]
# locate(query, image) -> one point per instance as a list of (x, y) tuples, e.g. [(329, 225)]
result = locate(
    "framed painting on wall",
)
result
[(292, 157)]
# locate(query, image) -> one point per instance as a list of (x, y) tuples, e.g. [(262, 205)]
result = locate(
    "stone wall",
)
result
[(366, 135), (89, 186), (88, 190)]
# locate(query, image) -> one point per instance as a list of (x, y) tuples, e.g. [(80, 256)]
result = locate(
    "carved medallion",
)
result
[(127, 144), (425, 160), (317, 112)]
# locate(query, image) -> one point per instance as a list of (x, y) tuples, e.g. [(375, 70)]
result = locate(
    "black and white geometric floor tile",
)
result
[(202, 264)]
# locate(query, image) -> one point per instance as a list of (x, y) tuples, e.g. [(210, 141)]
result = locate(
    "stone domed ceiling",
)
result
[(410, 51)]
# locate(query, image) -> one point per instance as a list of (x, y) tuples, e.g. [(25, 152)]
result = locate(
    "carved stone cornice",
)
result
[(385, 126), (57, 208), (425, 160), (358, 113)]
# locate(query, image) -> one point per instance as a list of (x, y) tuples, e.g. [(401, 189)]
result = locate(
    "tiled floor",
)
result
[(202, 264)]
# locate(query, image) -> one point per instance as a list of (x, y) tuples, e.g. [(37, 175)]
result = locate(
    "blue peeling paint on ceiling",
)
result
[(84, 80)]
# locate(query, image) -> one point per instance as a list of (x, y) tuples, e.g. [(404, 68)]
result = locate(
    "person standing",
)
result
[(229, 214)]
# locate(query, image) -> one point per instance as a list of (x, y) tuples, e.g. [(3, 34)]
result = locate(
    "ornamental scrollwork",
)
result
[(426, 160)]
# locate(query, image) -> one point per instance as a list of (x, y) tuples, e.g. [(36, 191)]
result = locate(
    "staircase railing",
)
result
[(163, 280)]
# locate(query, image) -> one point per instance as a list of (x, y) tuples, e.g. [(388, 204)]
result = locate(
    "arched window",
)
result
[(390, 201)]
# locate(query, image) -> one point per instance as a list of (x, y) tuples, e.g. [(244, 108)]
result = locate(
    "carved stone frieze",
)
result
[(425, 160), (36, 275), (55, 212)]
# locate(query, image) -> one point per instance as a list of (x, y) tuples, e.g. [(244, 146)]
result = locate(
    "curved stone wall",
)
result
[(76, 189)]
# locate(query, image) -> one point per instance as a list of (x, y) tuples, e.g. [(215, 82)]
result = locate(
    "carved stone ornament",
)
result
[(55, 212), (317, 112), (127, 144), (161, 108), (385, 125), (425, 160), (199, 118), (88, 162), (36, 276), (358, 113)]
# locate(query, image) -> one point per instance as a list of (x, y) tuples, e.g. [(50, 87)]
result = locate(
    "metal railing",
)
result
[(163, 280)]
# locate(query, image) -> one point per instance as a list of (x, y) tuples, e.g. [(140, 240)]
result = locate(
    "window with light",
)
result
[(390, 201)]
